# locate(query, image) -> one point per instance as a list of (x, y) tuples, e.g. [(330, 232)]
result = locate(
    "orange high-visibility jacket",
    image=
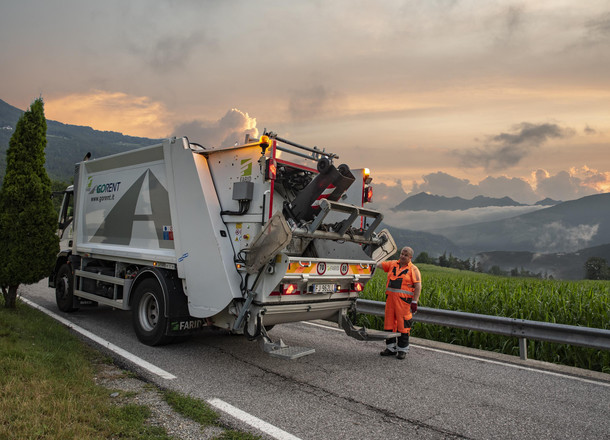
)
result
[(401, 280)]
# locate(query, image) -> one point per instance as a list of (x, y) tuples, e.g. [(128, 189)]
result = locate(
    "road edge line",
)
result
[(251, 420), (104, 343)]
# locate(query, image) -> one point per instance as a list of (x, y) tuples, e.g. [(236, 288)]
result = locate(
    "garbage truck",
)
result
[(241, 238)]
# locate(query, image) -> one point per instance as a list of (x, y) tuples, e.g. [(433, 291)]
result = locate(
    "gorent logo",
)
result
[(103, 188)]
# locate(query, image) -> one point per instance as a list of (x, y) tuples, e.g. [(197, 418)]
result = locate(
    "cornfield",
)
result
[(582, 303)]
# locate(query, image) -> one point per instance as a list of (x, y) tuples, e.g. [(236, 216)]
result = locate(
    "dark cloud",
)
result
[(228, 130), (514, 18), (166, 50), (510, 22), (172, 51), (507, 149), (313, 102), (589, 130), (599, 28)]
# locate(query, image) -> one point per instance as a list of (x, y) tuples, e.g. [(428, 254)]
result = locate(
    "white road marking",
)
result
[(489, 361), (255, 422), (118, 350)]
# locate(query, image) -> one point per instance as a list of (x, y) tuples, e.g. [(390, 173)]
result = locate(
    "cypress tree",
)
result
[(28, 222)]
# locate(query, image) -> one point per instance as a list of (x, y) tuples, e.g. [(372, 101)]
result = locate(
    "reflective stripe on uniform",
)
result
[(406, 292)]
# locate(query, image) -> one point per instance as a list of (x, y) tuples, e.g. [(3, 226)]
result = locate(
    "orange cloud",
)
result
[(111, 111), (228, 130), (597, 180)]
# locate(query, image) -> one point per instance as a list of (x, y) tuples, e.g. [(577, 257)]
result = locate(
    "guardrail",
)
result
[(500, 325)]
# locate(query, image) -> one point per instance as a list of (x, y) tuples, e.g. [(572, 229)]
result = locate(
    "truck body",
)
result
[(241, 237)]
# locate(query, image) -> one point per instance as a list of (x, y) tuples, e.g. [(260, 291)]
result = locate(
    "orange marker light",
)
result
[(366, 176)]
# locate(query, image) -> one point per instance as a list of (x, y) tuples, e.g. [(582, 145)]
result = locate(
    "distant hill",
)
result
[(429, 202), (420, 241), (66, 144), (547, 202), (566, 266), (561, 228)]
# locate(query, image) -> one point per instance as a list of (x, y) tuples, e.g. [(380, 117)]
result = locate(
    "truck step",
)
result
[(291, 352), (281, 350)]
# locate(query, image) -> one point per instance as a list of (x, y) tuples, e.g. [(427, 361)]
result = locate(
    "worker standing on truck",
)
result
[(403, 288)]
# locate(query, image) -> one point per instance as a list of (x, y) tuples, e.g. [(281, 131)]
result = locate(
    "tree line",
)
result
[(476, 266), (596, 268)]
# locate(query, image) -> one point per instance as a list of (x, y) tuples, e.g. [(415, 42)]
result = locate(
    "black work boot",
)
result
[(402, 354), (388, 352)]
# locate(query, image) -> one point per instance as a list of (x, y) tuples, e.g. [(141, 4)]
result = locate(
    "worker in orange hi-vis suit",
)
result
[(402, 293)]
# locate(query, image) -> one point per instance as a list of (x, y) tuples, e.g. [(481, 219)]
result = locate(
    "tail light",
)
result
[(271, 171), (367, 190), (289, 289), (357, 286), (367, 196)]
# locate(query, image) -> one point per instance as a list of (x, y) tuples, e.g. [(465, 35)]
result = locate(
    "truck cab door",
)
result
[(65, 226)]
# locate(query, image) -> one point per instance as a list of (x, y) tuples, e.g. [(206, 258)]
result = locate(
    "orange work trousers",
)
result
[(398, 317)]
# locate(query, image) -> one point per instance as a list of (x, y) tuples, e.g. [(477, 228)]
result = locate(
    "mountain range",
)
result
[(429, 202), (66, 144), (566, 227)]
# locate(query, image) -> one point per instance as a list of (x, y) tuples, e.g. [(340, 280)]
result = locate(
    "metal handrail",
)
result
[(500, 325)]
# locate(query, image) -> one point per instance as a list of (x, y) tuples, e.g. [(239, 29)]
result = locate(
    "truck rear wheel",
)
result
[(149, 321), (64, 289)]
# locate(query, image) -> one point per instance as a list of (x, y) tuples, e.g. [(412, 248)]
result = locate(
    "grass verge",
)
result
[(47, 388)]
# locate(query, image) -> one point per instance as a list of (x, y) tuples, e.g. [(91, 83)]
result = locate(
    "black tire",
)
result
[(64, 289), (324, 165), (148, 313), (344, 170)]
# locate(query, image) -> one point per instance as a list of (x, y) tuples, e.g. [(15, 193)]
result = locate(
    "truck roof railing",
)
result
[(316, 153)]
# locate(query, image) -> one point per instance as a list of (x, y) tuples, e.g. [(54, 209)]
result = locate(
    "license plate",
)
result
[(324, 288)]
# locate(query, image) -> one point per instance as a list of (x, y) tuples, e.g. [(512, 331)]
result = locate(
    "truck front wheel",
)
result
[(149, 321), (64, 289)]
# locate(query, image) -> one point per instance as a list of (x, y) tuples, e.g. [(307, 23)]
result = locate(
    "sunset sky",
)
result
[(499, 98)]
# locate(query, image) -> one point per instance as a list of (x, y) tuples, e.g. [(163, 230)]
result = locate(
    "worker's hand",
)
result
[(413, 306)]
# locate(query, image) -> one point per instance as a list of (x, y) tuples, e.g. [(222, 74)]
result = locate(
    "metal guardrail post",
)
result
[(523, 348), (512, 327)]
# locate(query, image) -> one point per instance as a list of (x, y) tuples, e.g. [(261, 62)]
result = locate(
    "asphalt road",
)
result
[(345, 390)]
